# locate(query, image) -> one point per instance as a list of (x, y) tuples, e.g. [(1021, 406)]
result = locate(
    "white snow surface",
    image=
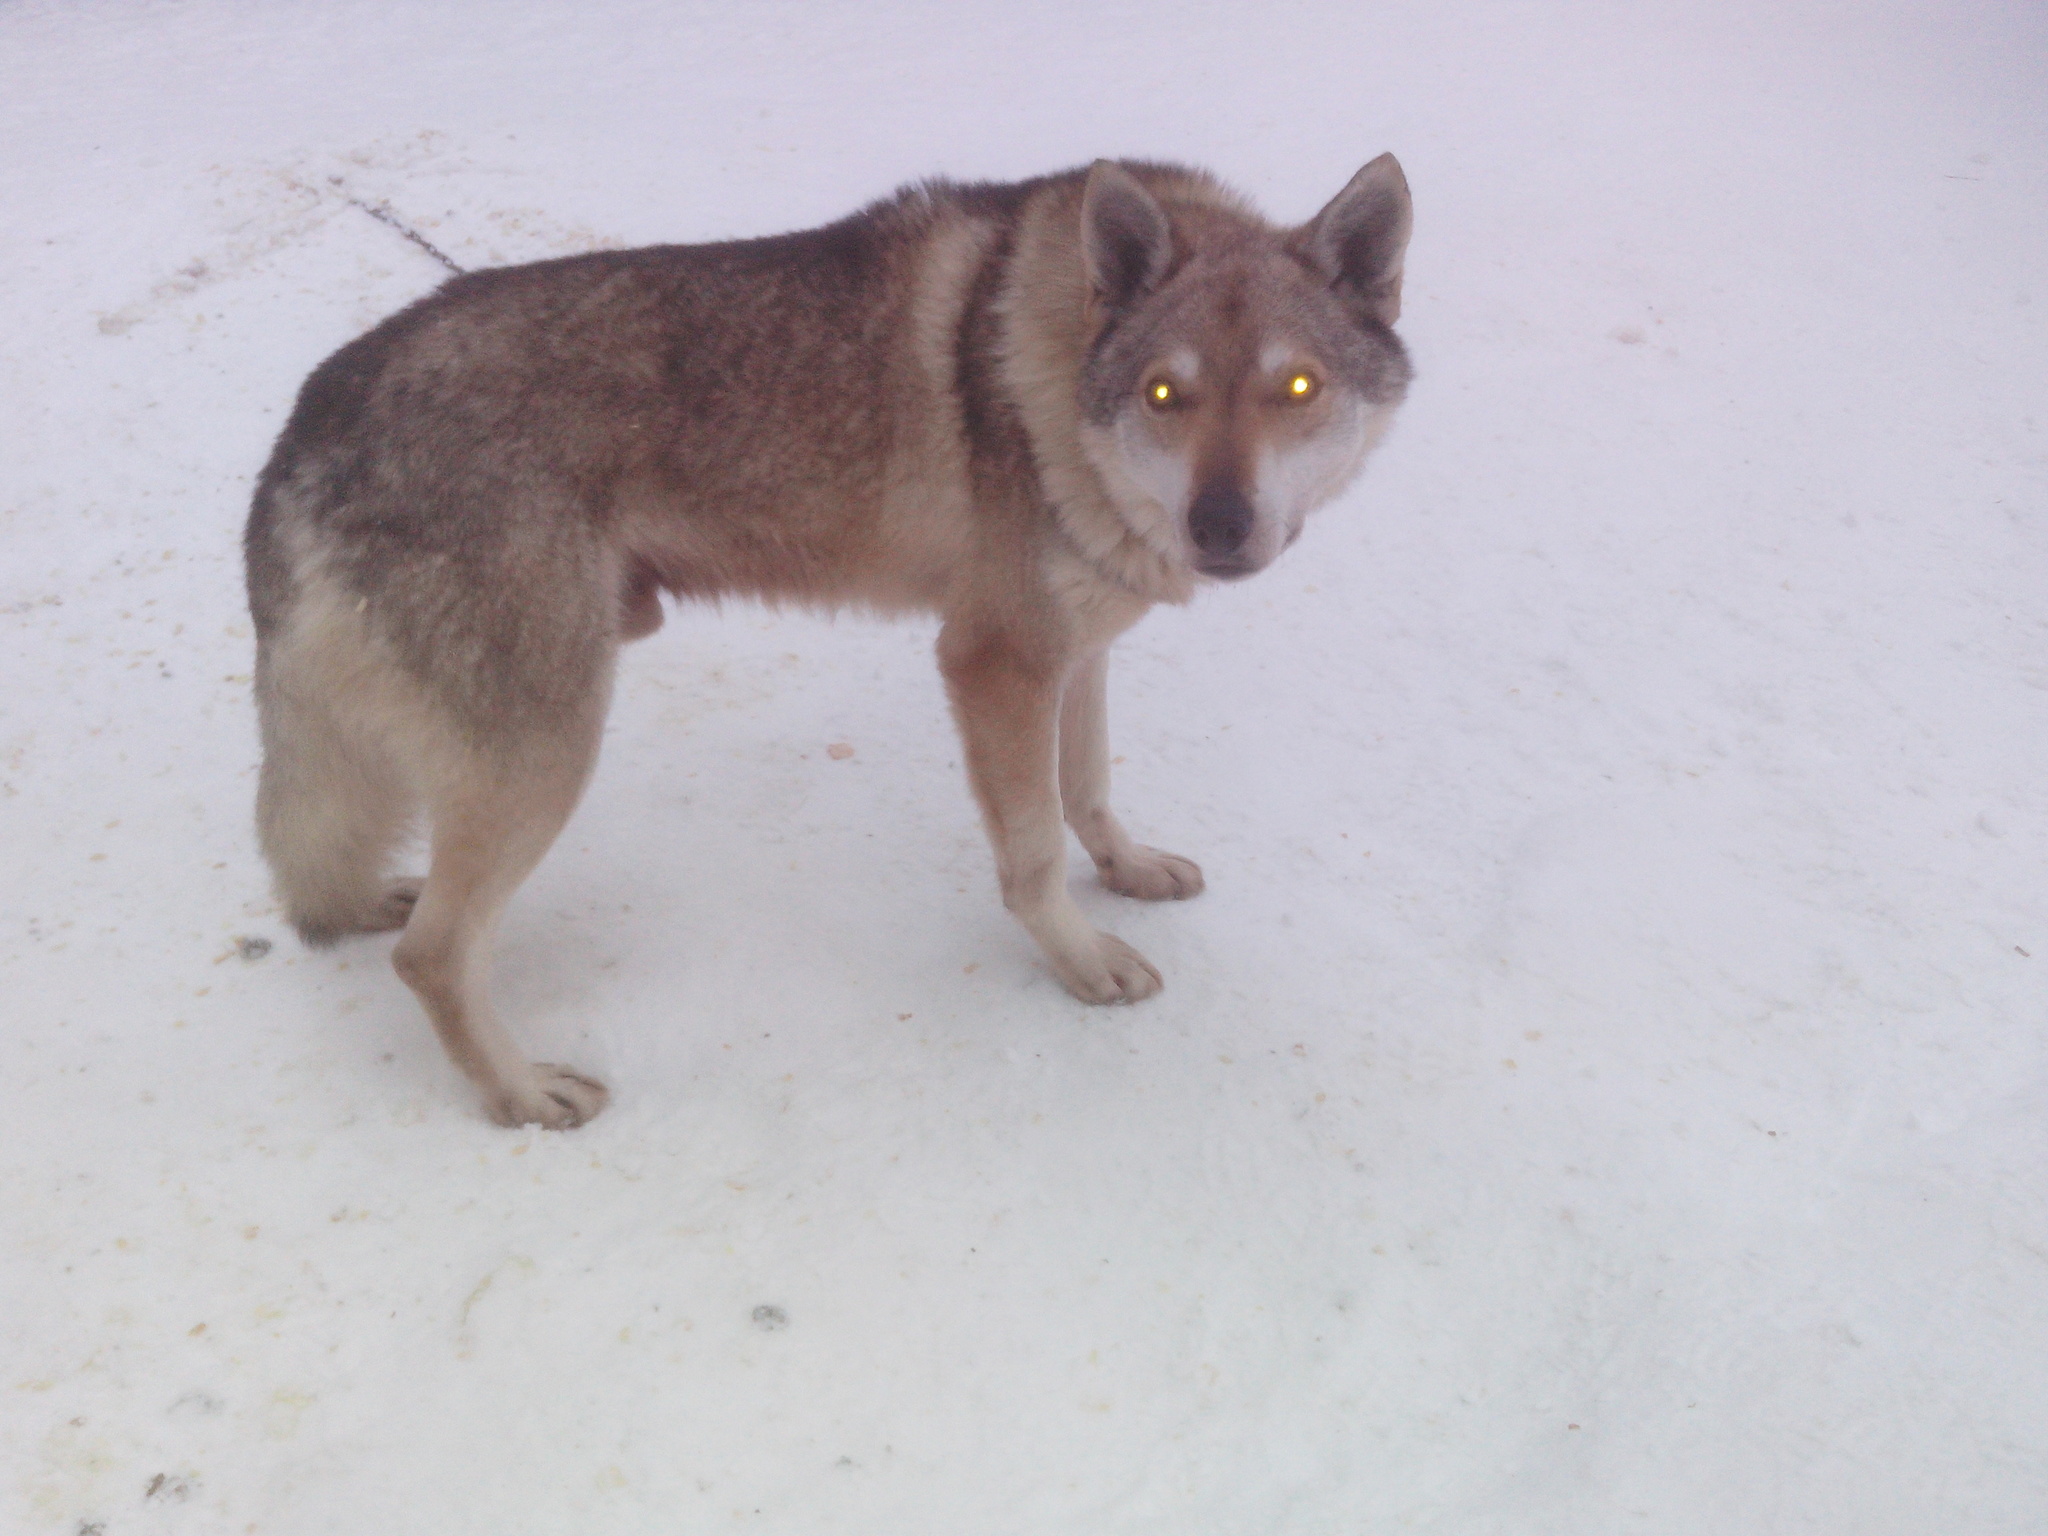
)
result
[(1602, 1089)]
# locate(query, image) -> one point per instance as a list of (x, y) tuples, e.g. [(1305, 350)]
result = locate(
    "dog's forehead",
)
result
[(1249, 289), (1257, 308)]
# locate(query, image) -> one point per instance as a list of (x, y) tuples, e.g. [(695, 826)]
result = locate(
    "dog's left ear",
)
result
[(1124, 235), (1361, 238)]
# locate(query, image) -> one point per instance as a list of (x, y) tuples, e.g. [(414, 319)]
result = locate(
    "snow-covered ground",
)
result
[(1603, 1089)]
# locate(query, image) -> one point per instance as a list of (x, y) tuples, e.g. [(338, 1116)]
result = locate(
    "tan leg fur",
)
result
[(1006, 700), (490, 829), (1128, 868)]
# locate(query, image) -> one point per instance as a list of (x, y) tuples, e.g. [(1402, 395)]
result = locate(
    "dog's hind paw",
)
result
[(1150, 875), (554, 1098), (394, 908), (1115, 973), (389, 909)]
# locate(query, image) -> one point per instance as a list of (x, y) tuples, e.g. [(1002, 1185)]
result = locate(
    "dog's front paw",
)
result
[(1113, 973), (1151, 875), (552, 1097)]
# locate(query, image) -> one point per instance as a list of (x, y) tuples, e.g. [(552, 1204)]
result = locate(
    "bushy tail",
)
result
[(334, 802)]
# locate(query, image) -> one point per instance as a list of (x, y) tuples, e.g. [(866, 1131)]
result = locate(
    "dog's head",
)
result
[(1239, 374)]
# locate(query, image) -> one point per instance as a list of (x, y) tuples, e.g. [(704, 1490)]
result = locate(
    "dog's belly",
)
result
[(860, 549)]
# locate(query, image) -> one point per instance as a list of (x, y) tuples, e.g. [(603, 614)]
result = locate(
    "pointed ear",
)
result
[(1124, 237), (1362, 236)]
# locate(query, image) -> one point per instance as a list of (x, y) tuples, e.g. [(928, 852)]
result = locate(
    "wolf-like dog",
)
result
[(1032, 409)]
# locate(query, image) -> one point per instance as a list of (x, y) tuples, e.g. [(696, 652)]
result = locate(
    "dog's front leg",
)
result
[(1007, 701), (1128, 868)]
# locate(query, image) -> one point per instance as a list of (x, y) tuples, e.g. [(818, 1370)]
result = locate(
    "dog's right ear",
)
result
[(1361, 238), (1124, 237)]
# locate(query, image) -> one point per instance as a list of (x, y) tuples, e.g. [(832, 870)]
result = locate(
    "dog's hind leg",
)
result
[(1128, 868), (492, 820)]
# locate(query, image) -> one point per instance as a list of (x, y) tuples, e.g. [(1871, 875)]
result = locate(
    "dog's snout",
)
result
[(1220, 520)]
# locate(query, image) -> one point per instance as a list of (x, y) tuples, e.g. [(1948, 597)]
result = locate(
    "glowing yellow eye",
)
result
[(1300, 387), (1159, 392)]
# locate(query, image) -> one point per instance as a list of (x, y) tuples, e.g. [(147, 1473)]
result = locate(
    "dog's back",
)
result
[(560, 437)]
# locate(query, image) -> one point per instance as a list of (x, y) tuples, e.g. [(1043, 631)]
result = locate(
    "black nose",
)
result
[(1220, 520)]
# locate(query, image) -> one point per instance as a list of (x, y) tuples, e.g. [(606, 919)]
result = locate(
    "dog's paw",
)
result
[(1114, 973), (390, 908), (394, 908), (1150, 875), (552, 1097)]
